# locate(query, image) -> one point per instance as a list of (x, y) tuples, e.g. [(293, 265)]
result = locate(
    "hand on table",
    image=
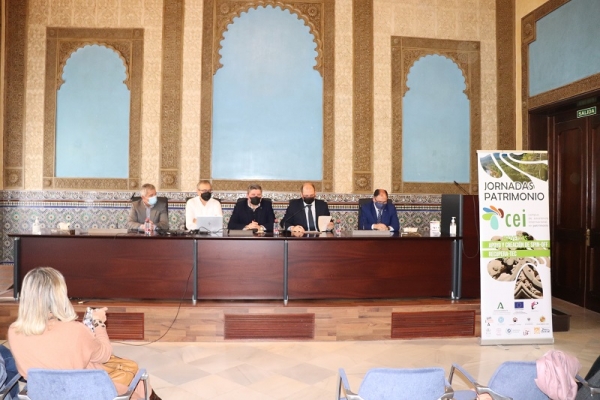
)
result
[(380, 227)]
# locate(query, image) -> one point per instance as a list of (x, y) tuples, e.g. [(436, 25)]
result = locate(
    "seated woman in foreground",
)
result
[(47, 335)]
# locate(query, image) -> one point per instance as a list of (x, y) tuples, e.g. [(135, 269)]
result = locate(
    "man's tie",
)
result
[(379, 211), (311, 220)]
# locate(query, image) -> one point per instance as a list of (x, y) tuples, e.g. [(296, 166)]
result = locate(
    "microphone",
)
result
[(461, 188), (284, 221)]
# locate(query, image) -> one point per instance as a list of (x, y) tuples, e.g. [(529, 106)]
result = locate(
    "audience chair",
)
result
[(397, 384), (512, 380), (8, 386), (77, 384), (590, 388)]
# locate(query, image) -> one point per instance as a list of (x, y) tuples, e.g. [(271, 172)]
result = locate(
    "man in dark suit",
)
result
[(253, 212), (379, 215), (149, 206), (303, 214)]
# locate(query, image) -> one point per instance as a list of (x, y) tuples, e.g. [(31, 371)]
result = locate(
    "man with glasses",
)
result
[(380, 215), (202, 205)]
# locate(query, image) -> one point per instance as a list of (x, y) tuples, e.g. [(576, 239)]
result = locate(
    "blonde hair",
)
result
[(43, 296)]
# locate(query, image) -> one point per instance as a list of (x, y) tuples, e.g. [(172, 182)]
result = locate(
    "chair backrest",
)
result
[(191, 197), (89, 384), (516, 379), (403, 384), (244, 199), (160, 199)]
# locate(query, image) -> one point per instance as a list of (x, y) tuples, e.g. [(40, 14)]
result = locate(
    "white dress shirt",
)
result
[(194, 208)]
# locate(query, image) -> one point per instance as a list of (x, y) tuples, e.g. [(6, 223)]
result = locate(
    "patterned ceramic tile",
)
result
[(84, 210)]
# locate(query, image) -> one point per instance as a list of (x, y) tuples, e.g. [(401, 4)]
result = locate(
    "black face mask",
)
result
[(255, 201), (309, 200), (206, 196)]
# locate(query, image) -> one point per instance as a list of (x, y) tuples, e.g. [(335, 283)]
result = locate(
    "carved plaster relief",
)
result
[(60, 45), (362, 164), (528, 29), (171, 104), (14, 113), (407, 50), (318, 15)]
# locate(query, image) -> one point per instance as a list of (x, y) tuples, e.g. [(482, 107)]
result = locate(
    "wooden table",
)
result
[(133, 266)]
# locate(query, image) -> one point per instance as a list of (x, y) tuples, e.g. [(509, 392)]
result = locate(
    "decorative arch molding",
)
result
[(412, 56), (319, 16), (227, 11), (67, 49), (572, 90), (466, 55), (60, 45)]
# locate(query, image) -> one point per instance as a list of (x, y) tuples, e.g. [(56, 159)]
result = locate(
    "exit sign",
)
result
[(586, 112)]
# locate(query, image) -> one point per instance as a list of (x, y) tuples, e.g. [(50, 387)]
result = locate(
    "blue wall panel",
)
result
[(92, 116), (566, 48), (435, 123), (268, 100)]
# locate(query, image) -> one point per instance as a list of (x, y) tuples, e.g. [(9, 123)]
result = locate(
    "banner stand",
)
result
[(516, 295)]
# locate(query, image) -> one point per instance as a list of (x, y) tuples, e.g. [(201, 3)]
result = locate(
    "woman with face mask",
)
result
[(204, 205), (253, 212), (148, 207)]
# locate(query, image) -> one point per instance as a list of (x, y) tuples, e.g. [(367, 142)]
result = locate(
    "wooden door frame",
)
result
[(539, 132)]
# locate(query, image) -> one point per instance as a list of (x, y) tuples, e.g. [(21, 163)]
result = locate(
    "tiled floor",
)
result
[(308, 370)]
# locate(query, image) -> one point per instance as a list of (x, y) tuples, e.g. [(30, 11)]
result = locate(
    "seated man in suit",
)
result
[(302, 215), (379, 215), (148, 207), (202, 205), (253, 212)]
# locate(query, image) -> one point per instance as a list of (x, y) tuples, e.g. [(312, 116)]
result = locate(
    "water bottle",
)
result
[(453, 227), (35, 228), (338, 228), (276, 228), (147, 227)]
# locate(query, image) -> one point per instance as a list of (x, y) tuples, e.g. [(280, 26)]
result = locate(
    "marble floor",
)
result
[(308, 370)]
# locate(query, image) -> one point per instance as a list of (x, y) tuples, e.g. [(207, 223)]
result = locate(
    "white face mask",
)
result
[(152, 200)]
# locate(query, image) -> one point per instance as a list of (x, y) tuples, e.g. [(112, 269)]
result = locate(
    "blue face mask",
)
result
[(152, 200), (379, 205)]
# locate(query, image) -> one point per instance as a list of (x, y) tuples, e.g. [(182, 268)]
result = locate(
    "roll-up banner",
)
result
[(516, 299)]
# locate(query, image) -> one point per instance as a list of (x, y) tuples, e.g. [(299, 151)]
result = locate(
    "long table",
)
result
[(134, 266)]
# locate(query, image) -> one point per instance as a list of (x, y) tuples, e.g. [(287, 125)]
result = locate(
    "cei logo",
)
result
[(492, 214)]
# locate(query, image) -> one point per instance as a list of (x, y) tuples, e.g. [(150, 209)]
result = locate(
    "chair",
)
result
[(512, 380), (245, 199), (590, 386), (89, 384), (397, 384), (8, 386), (160, 199)]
